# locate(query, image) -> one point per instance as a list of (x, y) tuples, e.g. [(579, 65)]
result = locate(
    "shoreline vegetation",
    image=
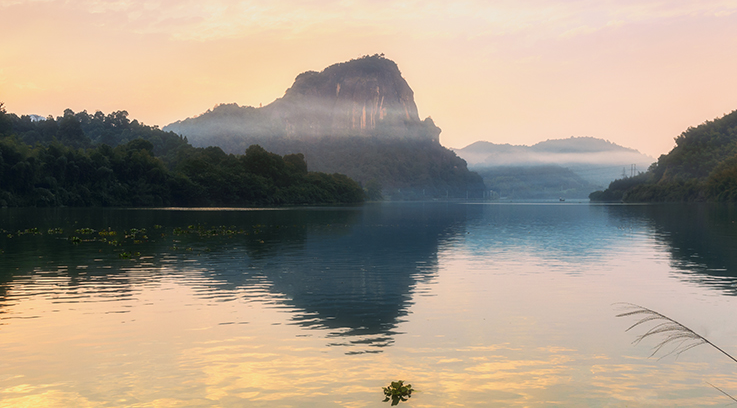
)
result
[(701, 168), (82, 160)]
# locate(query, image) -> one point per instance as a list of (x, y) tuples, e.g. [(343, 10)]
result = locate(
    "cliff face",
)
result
[(354, 97), (358, 118), (361, 97)]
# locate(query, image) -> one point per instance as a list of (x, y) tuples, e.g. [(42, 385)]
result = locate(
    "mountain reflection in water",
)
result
[(349, 270), (482, 304), (701, 239)]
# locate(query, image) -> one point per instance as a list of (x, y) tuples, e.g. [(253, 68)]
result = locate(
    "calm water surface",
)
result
[(489, 305)]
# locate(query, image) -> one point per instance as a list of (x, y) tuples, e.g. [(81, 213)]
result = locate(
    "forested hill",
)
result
[(702, 167), (107, 160), (357, 118)]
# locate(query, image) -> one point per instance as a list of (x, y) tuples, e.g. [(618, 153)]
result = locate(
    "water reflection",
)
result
[(701, 239), (498, 305), (350, 271), (574, 238)]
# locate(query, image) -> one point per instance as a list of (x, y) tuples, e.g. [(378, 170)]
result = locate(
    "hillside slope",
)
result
[(702, 167)]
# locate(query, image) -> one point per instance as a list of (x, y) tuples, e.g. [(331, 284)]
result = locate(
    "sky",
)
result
[(635, 72)]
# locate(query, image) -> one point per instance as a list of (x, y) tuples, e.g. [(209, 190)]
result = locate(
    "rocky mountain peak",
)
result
[(366, 96)]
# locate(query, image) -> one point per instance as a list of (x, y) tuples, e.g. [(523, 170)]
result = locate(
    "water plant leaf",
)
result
[(397, 391)]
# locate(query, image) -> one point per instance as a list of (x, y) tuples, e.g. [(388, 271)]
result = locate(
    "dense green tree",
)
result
[(66, 167), (406, 169), (700, 168), (6, 125), (84, 130), (70, 131)]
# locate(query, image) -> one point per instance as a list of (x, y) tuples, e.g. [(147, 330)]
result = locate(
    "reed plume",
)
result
[(674, 332)]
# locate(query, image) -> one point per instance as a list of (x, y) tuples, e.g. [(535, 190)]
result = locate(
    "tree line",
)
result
[(80, 159), (403, 169), (702, 167)]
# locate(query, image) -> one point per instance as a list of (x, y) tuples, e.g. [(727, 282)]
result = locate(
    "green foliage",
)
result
[(6, 126), (407, 169), (128, 255), (397, 391), (618, 188), (702, 167), (211, 177), (82, 130), (721, 185), (68, 171)]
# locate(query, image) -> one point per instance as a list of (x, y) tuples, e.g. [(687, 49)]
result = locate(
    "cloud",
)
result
[(212, 20)]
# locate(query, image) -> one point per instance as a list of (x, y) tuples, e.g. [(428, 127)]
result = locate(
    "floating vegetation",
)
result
[(397, 391), (128, 255), (208, 232), (139, 236), (27, 231), (107, 233), (136, 234)]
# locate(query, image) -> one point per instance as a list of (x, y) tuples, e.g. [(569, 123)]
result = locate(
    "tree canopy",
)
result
[(108, 160), (702, 167)]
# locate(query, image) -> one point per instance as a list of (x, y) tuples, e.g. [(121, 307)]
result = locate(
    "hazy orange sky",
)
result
[(634, 72)]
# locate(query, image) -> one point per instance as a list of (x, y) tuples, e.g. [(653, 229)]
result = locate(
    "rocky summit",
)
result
[(363, 97)]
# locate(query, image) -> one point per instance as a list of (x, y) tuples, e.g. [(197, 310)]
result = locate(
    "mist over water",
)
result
[(474, 304)]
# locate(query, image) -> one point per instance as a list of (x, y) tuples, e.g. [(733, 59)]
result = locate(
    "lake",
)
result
[(477, 304)]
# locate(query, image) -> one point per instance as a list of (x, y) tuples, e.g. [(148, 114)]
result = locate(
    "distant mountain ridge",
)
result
[(597, 161), (551, 151)]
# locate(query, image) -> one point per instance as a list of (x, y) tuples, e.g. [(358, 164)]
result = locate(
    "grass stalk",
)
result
[(675, 333)]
